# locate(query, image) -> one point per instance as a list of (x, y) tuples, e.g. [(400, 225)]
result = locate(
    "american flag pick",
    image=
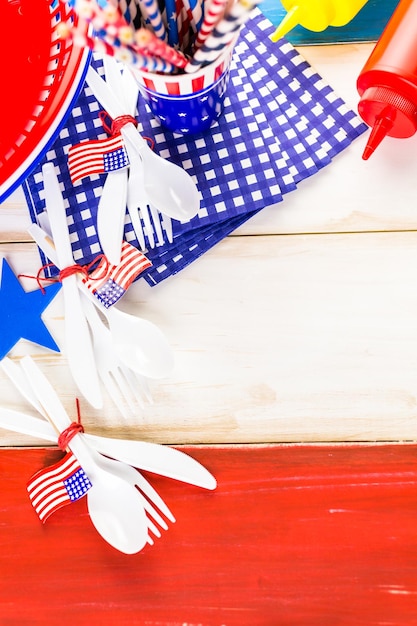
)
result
[(99, 156), (57, 485), (108, 283)]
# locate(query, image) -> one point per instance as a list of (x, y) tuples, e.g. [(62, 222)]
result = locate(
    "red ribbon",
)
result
[(73, 429), (69, 271)]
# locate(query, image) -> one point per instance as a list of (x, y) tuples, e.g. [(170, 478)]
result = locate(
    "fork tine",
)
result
[(137, 225), (156, 218), (138, 385), (144, 212), (127, 390), (114, 392), (154, 529), (148, 222), (154, 515), (167, 226), (123, 386), (153, 496)]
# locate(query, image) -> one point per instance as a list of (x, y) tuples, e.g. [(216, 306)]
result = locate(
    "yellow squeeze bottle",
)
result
[(316, 15)]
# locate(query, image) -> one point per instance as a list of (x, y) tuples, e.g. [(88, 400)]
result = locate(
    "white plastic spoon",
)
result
[(170, 188)]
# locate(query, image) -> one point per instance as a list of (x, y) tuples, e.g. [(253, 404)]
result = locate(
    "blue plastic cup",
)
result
[(187, 103)]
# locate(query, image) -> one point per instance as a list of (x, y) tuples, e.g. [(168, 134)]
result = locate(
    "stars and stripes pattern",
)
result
[(57, 485), (97, 157), (108, 283)]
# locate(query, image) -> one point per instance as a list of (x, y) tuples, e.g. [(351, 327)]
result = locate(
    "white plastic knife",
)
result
[(79, 349), (152, 457)]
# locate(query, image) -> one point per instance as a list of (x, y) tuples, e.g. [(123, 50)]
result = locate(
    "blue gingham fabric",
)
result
[(281, 124)]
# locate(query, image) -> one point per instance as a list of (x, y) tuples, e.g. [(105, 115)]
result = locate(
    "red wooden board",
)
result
[(304, 535)]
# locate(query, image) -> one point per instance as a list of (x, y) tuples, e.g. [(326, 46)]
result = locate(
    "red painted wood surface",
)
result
[(299, 535)]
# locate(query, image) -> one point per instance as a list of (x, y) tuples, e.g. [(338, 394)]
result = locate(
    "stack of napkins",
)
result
[(281, 123)]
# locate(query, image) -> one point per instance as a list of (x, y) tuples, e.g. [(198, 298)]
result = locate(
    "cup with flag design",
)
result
[(188, 103)]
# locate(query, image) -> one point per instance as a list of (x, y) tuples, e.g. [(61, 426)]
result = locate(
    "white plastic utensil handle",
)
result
[(79, 349), (56, 413), (111, 213), (103, 93), (27, 425), (47, 245), (111, 209)]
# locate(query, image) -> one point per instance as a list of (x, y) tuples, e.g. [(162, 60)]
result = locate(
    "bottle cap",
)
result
[(290, 21), (388, 113)]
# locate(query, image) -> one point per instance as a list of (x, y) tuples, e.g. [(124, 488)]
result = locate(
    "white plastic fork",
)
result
[(139, 209), (110, 93), (125, 387)]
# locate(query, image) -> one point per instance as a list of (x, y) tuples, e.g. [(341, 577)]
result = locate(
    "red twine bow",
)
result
[(69, 271), (73, 429), (117, 124)]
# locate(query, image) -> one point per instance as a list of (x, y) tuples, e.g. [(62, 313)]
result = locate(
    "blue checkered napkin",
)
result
[(314, 101), (276, 145), (283, 120), (307, 153)]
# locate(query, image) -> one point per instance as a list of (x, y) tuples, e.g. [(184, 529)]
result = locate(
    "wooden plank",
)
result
[(298, 338), (14, 218), (310, 535)]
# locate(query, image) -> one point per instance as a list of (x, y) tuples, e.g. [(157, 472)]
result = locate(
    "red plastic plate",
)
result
[(41, 79)]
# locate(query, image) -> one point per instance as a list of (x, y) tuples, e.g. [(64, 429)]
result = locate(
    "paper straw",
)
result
[(151, 13), (123, 53), (105, 21), (149, 44), (195, 8), (171, 17), (129, 10), (222, 34), (183, 20), (212, 16)]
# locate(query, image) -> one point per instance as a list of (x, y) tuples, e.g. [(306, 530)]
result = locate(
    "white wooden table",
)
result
[(301, 326)]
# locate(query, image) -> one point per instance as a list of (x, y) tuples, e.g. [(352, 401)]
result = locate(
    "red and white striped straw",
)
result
[(123, 53), (149, 44), (221, 35), (212, 16)]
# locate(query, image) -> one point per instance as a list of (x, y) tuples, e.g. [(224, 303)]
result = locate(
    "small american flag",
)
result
[(57, 485), (97, 157), (109, 282)]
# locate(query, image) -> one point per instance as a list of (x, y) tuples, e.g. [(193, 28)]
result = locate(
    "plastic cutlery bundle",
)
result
[(135, 343), (155, 184), (123, 506)]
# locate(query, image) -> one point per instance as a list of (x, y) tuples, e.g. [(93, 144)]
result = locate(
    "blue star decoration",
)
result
[(20, 312)]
